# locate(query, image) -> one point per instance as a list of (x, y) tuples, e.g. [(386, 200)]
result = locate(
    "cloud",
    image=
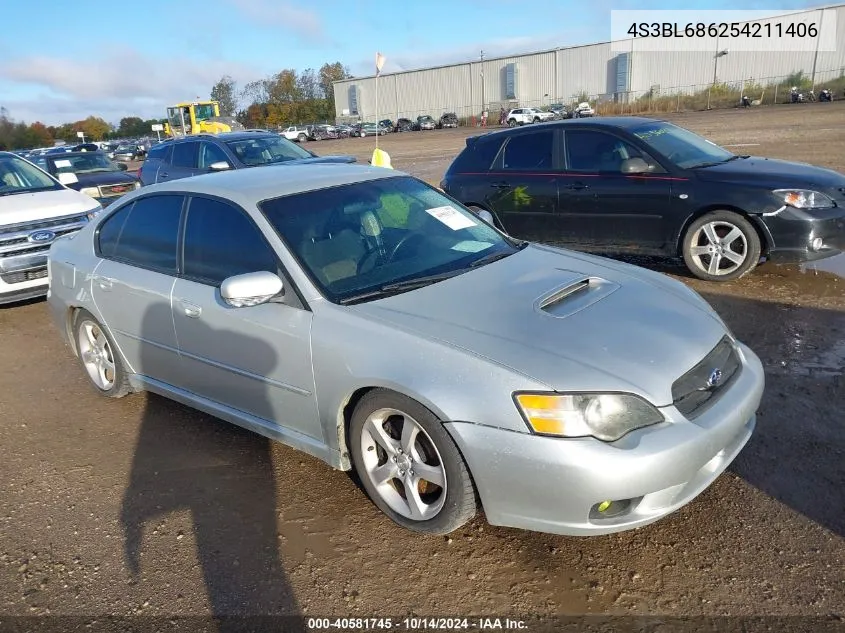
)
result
[(53, 89), (306, 24)]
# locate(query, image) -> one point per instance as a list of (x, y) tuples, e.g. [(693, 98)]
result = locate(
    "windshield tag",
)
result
[(62, 163), (451, 217)]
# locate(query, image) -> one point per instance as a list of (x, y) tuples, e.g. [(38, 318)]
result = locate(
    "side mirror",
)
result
[(634, 166), (220, 165), (122, 166), (250, 289), (68, 178), (485, 215)]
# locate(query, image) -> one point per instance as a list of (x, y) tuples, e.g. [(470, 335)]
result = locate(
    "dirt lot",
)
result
[(142, 507)]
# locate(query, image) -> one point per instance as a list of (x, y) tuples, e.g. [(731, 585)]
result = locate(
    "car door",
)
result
[(183, 162), (253, 359), (209, 153), (132, 284), (522, 185), (603, 208)]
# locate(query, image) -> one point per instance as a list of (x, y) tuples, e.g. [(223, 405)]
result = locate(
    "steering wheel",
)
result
[(408, 239)]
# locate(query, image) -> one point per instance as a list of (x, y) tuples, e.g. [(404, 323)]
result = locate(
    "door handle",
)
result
[(104, 283), (163, 174), (578, 186), (191, 311), (500, 185)]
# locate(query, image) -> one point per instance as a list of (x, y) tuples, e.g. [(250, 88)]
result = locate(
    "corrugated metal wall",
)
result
[(563, 74)]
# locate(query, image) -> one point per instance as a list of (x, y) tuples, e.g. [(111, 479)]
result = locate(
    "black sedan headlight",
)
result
[(805, 198)]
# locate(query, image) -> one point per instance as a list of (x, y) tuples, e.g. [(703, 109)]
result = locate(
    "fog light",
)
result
[(609, 509), (817, 244)]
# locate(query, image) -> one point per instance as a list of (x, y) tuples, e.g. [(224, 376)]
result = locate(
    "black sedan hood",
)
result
[(101, 178), (772, 172)]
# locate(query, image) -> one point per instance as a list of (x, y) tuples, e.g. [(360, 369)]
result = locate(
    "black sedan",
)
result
[(91, 173), (636, 185)]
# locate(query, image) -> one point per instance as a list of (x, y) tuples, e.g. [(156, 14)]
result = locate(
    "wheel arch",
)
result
[(347, 409), (766, 242)]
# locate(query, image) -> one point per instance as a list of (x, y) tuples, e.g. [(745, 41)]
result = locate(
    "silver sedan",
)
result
[(362, 316)]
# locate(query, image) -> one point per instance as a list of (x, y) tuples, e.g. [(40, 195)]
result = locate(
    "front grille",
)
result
[(24, 275), (116, 190), (703, 385), (14, 238)]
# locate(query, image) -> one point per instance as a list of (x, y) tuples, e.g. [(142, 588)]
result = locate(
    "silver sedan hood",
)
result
[(571, 321)]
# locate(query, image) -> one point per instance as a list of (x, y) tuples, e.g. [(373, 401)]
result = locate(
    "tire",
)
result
[(536, 119), (733, 234), (88, 335), (301, 138), (440, 509), (511, 122)]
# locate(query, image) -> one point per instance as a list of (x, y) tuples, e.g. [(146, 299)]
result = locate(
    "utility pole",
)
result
[(482, 81)]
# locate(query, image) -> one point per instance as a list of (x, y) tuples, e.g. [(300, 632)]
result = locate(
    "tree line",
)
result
[(285, 98)]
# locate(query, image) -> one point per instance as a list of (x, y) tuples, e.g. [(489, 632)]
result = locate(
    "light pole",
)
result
[(715, 66), (482, 81)]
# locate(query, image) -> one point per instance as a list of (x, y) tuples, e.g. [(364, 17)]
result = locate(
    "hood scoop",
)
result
[(575, 295)]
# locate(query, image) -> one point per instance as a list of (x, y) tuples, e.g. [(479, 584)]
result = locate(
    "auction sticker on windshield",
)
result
[(62, 163), (451, 218)]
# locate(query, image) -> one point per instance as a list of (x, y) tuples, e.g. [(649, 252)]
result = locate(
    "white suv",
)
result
[(297, 133), (35, 210), (521, 116)]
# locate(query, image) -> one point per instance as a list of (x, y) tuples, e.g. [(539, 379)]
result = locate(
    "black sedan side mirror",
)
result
[(634, 166)]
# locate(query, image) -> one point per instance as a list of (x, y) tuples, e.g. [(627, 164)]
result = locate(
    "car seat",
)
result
[(333, 253)]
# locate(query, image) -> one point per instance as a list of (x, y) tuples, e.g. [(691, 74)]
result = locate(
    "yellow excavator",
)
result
[(198, 117)]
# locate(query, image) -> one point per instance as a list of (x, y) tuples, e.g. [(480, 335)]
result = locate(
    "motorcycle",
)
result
[(746, 102), (825, 95), (795, 96)]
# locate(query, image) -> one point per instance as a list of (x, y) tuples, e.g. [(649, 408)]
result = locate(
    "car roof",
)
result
[(70, 154), (619, 122), (248, 186)]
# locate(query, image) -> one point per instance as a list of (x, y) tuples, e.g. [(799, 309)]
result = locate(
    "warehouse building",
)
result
[(619, 72)]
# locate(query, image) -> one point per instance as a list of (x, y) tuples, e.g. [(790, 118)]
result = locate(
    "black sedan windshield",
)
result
[(370, 239), (684, 148), (86, 163), (265, 150)]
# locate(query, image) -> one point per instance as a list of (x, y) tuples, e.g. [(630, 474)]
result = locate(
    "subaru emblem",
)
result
[(715, 378), (41, 237)]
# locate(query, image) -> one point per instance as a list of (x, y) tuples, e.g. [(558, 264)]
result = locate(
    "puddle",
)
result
[(812, 360), (834, 265)]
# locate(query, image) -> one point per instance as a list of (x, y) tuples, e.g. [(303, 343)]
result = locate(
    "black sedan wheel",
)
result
[(721, 246)]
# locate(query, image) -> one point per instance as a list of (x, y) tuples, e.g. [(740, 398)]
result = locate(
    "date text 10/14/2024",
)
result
[(415, 624)]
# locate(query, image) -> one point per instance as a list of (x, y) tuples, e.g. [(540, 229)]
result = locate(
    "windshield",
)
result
[(357, 239), (266, 150), (19, 176), (203, 112), (684, 148), (82, 164)]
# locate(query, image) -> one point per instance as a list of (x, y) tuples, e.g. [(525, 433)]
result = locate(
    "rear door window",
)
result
[(185, 155), (145, 235)]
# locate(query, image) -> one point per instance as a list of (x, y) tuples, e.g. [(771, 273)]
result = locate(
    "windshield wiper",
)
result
[(718, 162), (400, 286), (489, 259)]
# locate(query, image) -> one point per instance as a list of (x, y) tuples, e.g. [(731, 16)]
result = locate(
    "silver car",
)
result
[(362, 316)]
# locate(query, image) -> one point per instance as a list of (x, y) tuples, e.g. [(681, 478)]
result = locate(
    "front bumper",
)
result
[(551, 484), (792, 232)]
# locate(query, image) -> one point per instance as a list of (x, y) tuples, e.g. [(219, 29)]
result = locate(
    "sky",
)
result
[(63, 61)]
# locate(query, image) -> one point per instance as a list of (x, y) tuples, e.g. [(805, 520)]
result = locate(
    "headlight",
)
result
[(605, 416), (804, 198), (93, 213), (137, 185), (94, 192)]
